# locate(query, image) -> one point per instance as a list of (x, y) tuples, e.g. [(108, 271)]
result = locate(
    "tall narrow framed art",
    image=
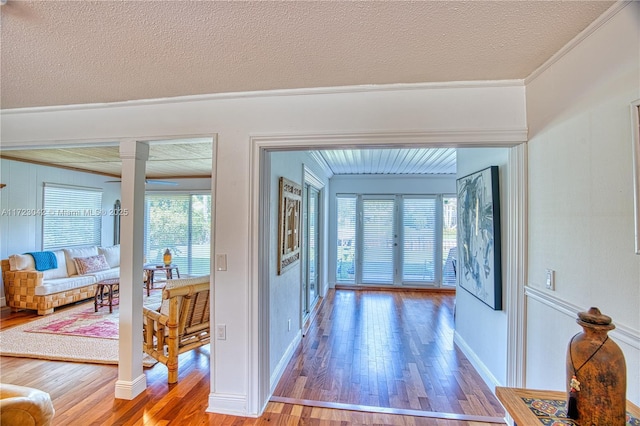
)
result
[(479, 252), (289, 224)]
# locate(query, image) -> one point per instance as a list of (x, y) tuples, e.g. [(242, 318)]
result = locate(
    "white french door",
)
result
[(395, 240)]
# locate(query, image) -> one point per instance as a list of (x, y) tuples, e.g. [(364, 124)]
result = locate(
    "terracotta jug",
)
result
[(596, 373)]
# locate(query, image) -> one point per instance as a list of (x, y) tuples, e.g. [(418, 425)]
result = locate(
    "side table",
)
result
[(110, 286), (151, 269)]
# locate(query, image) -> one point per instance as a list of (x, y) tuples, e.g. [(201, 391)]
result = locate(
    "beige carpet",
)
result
[(20, 343)]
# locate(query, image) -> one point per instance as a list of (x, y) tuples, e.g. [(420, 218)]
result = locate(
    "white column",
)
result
[(131, 379)]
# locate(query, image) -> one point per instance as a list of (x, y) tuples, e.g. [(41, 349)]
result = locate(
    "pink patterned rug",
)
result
[(86, 322)]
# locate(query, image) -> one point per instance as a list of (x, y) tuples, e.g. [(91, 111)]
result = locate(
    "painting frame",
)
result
[(635, 139), (479, 236), (289, 220)]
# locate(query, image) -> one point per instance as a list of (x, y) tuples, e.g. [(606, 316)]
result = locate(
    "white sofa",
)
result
[(27, 288)]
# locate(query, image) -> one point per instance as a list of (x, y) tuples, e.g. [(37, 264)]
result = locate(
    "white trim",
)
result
[(282, 365), (328, 173), (573, 43), (213, 365), (258, 287), (516, 266), (130, 389), (635, 138), (227, 403), (311, 178), (279, 92), (98, 142), (482, 369), (407, 139), (622, 332)]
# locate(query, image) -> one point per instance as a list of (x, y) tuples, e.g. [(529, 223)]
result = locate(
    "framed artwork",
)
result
[(289, 224), (479, 254), (635, 138)]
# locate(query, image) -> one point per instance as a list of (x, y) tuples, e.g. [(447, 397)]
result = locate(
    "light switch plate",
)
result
[(221, 262), (221, 332), (551, 279)]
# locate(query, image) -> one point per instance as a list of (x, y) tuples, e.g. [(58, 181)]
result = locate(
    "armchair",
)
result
[(180, 324)]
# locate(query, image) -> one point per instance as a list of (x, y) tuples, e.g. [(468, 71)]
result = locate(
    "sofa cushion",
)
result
[(21, 262), (180, 282), (60, 271), (112, 254), (88, 265), (78, 252), (107, 274), (57, 285)]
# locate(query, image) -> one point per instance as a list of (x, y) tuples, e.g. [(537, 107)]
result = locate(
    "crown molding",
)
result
[(372, 88), (577, 40)]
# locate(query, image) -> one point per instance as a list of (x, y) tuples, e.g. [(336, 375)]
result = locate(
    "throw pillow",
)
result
[(21, 262), (87, 265), (60, 271), (71, 254), (112, 254)]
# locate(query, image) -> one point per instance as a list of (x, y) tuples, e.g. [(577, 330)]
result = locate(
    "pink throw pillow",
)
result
[(87, 265)]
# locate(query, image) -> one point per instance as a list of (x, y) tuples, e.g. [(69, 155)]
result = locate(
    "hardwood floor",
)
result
[(83, 393), (387, 349)]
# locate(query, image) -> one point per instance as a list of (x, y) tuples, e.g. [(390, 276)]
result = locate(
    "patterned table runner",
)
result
[(553, 412)]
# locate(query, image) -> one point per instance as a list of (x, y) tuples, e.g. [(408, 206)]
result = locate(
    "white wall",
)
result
[(24, 190), (433, 114), (581, 198), (481, 332), (372, 184), (285, 290)]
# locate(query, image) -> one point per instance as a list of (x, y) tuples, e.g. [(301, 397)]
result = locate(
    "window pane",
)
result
[(73, 216), (181, 223), (345, 262), (419, 239), (377, 241), (449, 242)]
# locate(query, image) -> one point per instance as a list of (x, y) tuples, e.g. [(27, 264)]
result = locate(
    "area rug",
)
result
[(74, 334)]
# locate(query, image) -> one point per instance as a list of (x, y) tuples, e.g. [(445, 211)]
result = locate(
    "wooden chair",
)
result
[(180, 324)]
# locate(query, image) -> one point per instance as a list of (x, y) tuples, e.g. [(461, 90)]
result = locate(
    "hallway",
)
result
[(390, 349)]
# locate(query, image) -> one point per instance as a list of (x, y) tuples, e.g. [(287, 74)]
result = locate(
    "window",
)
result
[(73, 216), (396, 239), (180, 222)]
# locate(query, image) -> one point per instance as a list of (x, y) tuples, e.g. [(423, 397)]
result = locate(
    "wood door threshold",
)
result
[(387, 410)]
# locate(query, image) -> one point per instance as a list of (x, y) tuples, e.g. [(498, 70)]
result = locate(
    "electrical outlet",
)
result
[(551, 279), (221, 332)]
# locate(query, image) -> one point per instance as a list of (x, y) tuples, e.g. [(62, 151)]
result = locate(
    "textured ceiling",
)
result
[(76, 52)]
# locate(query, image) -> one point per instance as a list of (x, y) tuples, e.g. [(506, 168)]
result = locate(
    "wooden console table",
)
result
[(530, 407)]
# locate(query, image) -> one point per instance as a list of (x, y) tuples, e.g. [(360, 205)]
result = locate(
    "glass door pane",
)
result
[(449, 241), (346, 244), (312, 257), (419, 240), (378, 243)]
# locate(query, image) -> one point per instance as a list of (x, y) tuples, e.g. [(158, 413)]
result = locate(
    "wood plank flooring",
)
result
[(83, 394), (387, 349)]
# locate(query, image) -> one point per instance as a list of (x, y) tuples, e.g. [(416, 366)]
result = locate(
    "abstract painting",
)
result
[(479, 236)]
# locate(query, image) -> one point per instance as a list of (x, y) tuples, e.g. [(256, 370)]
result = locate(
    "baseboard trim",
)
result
[(284, 361), (477, 363), (395, 288), (231, 404), (387, 410), (130, 389)]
